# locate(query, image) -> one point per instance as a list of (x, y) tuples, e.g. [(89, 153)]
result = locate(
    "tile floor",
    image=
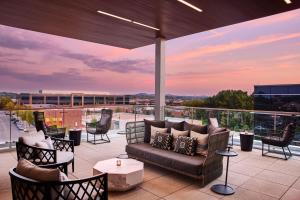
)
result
[(254, 177)]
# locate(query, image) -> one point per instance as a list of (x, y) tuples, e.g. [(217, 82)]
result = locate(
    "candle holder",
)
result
[(118, 162)]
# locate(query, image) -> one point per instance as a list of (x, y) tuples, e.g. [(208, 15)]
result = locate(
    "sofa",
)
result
[(205, 168)]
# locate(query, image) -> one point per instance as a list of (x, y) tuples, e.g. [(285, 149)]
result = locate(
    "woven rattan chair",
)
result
[(52, 131), (81, 189), (101, 127), (61, 156), (282, 140)]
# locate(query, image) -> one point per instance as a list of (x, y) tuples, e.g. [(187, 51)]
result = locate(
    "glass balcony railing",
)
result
[(15, 122)]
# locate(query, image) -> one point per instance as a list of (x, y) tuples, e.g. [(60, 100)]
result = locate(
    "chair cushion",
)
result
[(174, 125), (202, 142), (148, 124), (64, 156), (185, 145), (212, 129), (154, 131), (31, 139), (29, 170), (170, 159), (45, 144), (175, 134), (162, 141)]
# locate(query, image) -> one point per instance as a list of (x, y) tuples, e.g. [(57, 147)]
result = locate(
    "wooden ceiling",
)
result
[(79, 18)]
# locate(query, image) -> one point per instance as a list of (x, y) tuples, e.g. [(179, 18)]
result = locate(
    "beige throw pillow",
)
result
[(202, 142), (155, 130), (29, 170), (45, 144), (175, 133)]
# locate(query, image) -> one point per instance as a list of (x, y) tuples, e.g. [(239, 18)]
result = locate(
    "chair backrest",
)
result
[(289, 132), (106, 118), (214, 122), (39, 120), (89, 188)]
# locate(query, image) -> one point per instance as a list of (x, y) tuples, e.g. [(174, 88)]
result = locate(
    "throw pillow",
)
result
[(29, 170), (175, 134), (196, 128), (162, 141), (185, 145), (154, 131), (175, 125), (214, 122), (45, 144), (148, 124), (31, 139), (202, 142)]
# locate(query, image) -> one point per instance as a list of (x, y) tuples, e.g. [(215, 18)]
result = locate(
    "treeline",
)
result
[(231, 99)]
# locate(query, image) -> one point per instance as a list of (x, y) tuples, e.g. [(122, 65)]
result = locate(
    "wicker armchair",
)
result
[(60, 157), (282, 140), (88, 188), (101, 127), (52, 131)]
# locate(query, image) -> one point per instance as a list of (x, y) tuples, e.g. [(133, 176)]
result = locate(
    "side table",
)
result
[(220, 188), (246, 141), (75, 135)]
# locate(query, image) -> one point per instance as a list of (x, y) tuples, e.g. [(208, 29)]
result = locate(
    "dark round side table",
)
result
[(75, 135), (220, 188), (246, 141)]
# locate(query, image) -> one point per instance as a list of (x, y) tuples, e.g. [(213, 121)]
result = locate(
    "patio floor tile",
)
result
[(292, 194)]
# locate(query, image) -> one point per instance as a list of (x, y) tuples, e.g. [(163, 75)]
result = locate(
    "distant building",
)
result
[(285, 98), (72, 99)]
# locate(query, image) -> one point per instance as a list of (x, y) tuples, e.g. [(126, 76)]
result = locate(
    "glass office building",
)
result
[(281, 98)]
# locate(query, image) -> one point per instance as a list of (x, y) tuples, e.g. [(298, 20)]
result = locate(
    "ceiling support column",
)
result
[(159, 79)]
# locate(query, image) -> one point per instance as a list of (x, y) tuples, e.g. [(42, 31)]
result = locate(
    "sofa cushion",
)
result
[(196, 128), (175, 134), (148, 124), (170, 159), (29, 170), (185, 145), (31, 139), (176, 125), (162, 141), (202, 142), (156, 130)]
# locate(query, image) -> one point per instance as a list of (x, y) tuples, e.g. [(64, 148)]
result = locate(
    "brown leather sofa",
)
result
[(203, 168)]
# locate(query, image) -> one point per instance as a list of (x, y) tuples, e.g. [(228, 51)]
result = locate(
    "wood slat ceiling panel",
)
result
[(79, 18)]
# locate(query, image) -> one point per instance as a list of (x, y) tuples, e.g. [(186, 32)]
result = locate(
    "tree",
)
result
[(4, 101)]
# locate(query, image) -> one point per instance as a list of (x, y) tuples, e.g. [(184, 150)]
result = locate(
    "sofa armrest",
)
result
[(135, 132), (216, 141)]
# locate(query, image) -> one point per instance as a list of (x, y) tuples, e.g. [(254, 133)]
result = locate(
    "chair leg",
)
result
[(262, 148), (73, 166), (289, 151), (284, 153)]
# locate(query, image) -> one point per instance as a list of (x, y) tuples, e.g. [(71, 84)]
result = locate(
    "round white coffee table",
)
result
[(121, 178)]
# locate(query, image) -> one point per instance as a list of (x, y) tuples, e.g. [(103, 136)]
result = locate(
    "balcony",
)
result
[(253, 176)]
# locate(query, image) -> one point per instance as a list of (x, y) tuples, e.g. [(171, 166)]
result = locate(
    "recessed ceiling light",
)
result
[(127, 20), (190, 5), (288, 1)]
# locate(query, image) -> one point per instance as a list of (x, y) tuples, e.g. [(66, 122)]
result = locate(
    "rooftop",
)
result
[(253, 176)]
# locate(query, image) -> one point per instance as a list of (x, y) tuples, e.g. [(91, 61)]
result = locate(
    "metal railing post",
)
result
[(10, 117)]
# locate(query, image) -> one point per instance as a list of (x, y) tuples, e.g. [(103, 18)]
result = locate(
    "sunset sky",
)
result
[(264, 51)]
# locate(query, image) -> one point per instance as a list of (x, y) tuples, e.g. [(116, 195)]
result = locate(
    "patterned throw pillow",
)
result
[(175, 134), (154, 131), (185, 145), (162, 141), (202, 142)]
